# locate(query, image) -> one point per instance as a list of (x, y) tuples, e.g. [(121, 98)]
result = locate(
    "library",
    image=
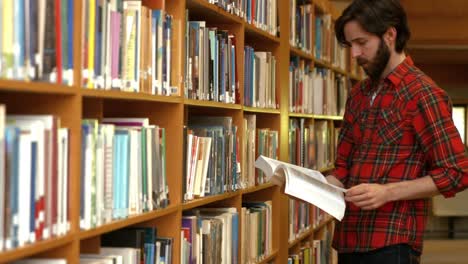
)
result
[(131, 128)]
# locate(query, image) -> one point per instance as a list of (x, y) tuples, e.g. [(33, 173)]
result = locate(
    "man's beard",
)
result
[(375, 67)]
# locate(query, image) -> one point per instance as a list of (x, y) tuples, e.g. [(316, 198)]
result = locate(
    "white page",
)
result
[(305, 184)]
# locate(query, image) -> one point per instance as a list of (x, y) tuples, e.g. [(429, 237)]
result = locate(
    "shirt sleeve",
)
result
[(345, 143), (440, 141)]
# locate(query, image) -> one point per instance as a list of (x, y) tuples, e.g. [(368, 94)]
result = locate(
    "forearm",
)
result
[(415, 189)]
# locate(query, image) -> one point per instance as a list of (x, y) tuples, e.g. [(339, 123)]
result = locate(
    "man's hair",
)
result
[(375, 16)]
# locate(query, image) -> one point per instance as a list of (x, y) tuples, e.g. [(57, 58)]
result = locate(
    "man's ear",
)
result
[(390, 36)]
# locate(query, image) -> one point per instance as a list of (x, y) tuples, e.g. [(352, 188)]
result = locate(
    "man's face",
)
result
[(369, 50)]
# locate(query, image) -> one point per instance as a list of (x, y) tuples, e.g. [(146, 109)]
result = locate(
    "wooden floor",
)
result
[(445, 252)]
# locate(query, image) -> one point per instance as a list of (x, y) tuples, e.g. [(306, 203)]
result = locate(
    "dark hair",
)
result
[(375, 16)]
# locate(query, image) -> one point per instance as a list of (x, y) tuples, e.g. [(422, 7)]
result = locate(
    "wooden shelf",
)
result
[(328, 219), (305, 234), (215, 14), (261, 110), (322, 63), (257, 188), (269, 257), (340, 71), (200, 103), (208, 199), (300, 53), (252, 31), (131, 96), (300, 115), (38, 247), (127, 222), (321, 117), (327, 117), (36, 87)]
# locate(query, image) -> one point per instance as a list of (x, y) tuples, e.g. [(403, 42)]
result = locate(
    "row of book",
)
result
[(261, 141), (211, 63), (210, 235), (311, 144), (37, 40), (34, 179), (256, 231), (316, 90), (299, 218), (133, 245), (123, 169), (259, 79), (303, 217), (323, 37), (262, 14), (126, 46), (212, 164), (301, 27), (315, 252)]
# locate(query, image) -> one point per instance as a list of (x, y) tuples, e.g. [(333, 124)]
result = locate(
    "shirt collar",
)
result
[(395, 77)]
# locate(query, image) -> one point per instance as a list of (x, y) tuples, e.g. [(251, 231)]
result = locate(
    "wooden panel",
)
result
[(132, 220), (40, 249), (90, 245)]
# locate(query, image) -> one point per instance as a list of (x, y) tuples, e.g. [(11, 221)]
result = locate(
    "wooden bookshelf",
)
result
[(303, 235), (76, 103)]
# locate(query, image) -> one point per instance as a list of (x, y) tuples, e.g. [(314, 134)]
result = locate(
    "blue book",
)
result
[(32, 221), (98, 40), (69, 38), (18, 42), (12, 162), (122, 172), (235, 237)]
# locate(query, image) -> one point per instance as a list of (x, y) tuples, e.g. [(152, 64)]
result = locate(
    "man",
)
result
[(398, 145)]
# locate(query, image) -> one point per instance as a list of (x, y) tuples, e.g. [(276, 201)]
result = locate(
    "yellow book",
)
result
[(7, 39), (91, 28)]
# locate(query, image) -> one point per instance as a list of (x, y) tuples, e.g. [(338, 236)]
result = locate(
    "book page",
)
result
[(305, 184)]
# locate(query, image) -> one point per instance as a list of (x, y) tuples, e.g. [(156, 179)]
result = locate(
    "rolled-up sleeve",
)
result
[(440, 141)]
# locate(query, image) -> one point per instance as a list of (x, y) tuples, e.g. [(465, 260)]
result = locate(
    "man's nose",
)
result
[(355, 51)]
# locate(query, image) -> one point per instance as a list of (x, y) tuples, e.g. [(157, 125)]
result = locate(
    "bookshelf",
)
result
[(74, 103)]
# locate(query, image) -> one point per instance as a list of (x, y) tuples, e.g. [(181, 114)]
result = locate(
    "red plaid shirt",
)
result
[(407, 133)]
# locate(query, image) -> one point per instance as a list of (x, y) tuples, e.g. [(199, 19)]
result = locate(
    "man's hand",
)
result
[(368, 196)]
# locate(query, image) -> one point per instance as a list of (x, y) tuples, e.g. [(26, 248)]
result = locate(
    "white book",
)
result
[(305, 184), (24, 200), (45, 215), (2, 175), (64, 176), (99, 168), (104, 257), (108, 131), (205, 160), (129, 255), (40, 261), (134, 137)]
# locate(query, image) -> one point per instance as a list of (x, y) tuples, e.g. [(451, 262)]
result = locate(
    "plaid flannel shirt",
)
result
[(407, 133)]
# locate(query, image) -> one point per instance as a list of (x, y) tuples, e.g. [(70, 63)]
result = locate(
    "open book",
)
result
[(305, 184)]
